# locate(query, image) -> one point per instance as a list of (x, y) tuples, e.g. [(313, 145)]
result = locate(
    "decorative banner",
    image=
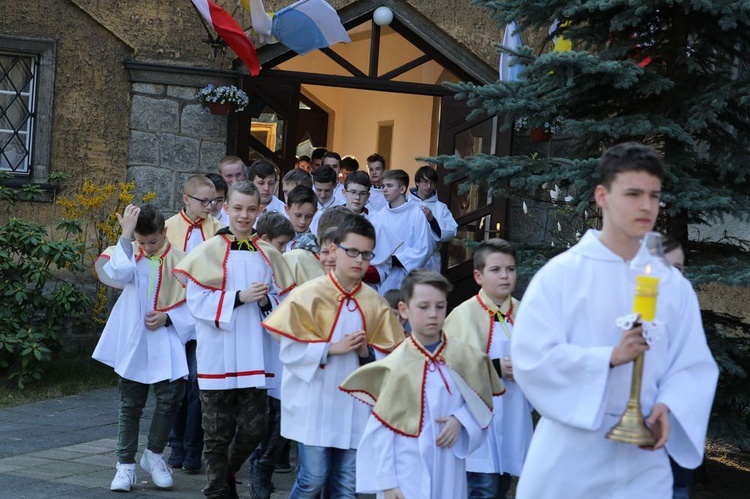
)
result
[(562, 44), (303, 26), (231, 32), (511, 40)]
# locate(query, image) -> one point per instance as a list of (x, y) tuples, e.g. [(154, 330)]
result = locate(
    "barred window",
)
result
[(17, 102)]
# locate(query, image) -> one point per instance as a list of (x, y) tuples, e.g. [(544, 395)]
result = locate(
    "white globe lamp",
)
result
[(382, 16)]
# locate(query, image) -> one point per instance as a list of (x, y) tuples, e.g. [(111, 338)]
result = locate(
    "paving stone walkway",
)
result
[(65, 448)]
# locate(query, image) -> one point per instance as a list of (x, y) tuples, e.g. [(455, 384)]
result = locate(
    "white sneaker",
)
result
[(124, 478), (154, 464)]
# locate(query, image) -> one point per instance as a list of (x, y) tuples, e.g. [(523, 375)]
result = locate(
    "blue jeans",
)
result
[(187, 432), (487, 485), (320, 466)]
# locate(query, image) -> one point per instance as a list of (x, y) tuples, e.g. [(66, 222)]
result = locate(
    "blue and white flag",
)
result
[(303, 26), (511, 40)]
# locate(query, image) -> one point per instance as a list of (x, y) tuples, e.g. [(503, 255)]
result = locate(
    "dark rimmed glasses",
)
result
[(354, 253)]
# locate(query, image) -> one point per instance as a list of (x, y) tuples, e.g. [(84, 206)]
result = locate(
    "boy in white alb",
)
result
[(573, 345), (328, 327), (442, 224), (143, 339), (485, 322), (375, 168), (406, 220), (301, 206), (230, 284), (264, 175), (186, 230), (194, 223), (431, 398)]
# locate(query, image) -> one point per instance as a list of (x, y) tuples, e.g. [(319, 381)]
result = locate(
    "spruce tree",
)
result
[(668, 73)]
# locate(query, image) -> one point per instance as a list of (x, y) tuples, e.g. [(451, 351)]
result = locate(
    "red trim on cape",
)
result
[(254, 241), (492, 321), (191, 224)]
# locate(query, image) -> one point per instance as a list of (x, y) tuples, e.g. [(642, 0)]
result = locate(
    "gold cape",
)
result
[(471, 322), (304, 264), (309, 314), (169, 292), (205, 265), (179, 226), (394, 386)]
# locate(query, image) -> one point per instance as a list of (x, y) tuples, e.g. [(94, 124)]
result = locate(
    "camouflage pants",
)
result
[(225, 454)]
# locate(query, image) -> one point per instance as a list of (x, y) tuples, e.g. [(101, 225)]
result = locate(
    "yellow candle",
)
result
[(646, 291)]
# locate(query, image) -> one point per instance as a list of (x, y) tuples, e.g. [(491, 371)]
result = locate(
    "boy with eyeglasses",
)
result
[(194, 223), (329, 327), (442, 224), (186, 230)]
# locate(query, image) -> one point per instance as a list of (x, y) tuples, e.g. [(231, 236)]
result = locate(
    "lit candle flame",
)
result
[(497, 227), (648, 269)]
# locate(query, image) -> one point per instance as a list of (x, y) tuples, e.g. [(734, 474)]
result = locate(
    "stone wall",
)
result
[(171, 135)]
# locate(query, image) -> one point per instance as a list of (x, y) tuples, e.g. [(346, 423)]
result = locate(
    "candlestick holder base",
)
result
[(631, 428)]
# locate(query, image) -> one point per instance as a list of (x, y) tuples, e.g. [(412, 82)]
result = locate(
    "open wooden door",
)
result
[(479, 215)]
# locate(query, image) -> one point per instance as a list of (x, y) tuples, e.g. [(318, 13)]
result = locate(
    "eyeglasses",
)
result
[(358, 194), (354, 253), (204, 202)]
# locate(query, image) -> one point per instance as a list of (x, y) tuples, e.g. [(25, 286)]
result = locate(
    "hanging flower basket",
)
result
[(220, 109), (223, 100), (540, 135)]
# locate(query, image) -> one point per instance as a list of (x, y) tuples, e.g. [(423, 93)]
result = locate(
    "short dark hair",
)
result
[(331, 154), (349, 163), (299, 177), (301, 195), (421, 276), (327, 235), (150, 220), (399, 176), (490, 246), (318, 153), (305, 158), (393, 296), (243, 187), (331, 218), (218, 182), (273, 225), (262, 168), (359, 178), (628, 157), (354, 224), (425, 172), (372, 158), (325, 175)]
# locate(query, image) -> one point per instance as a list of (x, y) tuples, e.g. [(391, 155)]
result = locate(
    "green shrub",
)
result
[(37, 305)]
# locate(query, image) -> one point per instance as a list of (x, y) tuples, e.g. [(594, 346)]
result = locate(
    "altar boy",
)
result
[(485, 321), (330, 326), (144, 337), (431, 398), (574, 342), (230, 284)]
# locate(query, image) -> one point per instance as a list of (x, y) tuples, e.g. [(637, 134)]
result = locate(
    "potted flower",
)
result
[(543, 133), (223, 100)]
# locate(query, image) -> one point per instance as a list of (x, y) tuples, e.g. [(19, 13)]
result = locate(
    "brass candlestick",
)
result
[(631, 429)]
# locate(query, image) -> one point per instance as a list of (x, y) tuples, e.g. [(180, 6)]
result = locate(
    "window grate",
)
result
[(17, 100)]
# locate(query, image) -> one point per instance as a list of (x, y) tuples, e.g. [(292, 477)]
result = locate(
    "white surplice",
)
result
[(377, 199), (420, 469), (561, 348), (126, 344), (445, 220), (510, 432), (408, 223), (313, 409), (231, 340)]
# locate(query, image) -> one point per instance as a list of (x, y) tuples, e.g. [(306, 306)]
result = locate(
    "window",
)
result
[(27, 82), (17, 92)]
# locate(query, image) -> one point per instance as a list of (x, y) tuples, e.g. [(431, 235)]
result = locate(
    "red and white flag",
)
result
[(230, 32)]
